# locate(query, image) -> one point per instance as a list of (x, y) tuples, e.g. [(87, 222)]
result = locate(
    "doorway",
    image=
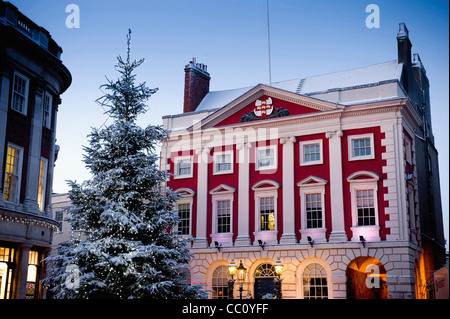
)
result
[(264, 280), (366, 279)]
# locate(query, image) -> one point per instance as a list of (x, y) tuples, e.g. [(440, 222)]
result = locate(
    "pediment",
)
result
[(222, 189), (264, 103), (312, 181)]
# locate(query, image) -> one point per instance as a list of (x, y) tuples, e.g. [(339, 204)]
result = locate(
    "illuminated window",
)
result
[(20, 93), (361, 147), (32, 275), (47, 116), (12, 174), (266, 202), (42, 182), (6, 271), (315, 282), (364, 192), (220, 279), (267, 213)]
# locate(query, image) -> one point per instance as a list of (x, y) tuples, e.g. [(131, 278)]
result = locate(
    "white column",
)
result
[(4, 93), (243, 238), (202, 198), (288, 236), (34, 155), (336, 187)]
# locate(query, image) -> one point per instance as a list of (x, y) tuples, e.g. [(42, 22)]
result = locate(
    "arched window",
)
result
[(220, 279), (265, 270), (315, 282)]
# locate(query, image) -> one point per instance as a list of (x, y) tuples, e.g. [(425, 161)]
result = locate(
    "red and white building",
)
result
[(319, 172)]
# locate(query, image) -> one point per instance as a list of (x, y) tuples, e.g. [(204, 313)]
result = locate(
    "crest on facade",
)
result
[(264, 109)]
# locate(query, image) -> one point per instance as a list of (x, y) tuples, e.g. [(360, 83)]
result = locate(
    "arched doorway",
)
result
[(264, 284), (366, 279)]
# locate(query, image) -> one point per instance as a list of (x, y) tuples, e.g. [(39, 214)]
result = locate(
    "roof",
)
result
[(349, 79)]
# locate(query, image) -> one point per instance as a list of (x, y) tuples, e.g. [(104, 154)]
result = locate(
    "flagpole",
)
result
[(268, 42)]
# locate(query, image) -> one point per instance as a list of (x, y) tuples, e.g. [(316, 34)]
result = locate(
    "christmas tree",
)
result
[(130, 249)]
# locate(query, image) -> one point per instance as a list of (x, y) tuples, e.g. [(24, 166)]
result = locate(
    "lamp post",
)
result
[(278, 270), (232, 269)]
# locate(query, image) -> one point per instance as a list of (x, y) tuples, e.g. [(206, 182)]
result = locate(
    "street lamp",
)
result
[(232, 269), (278, 270)]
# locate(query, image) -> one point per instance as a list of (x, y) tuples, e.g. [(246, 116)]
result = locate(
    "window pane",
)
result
[(223, 163), (361, 147), (223, 216), (315, 282), (184, 212), (365, 203), (267, 158), (184, 167), (267, 213), (311, 153), (220, 283), (11, 174), (313, 210)]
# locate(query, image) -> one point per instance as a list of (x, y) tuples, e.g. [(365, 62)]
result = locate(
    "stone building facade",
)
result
[(32, 78), (323, 174)]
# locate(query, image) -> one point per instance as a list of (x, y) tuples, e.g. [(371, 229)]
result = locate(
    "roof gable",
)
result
[(264, 103)]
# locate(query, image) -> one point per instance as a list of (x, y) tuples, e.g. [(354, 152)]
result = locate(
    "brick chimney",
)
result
[(403, 45), (196, 85)]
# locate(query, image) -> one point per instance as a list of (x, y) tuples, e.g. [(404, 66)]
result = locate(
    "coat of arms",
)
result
[(263, 109)]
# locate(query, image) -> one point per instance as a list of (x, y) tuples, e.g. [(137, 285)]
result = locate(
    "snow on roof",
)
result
[(374, 74), (218, 99), (351, 78)]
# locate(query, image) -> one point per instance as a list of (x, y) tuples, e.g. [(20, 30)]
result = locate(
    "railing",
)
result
[(10, 15)]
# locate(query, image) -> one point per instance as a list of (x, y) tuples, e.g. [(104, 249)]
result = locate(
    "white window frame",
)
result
[(187, 198), (44, 186), (312, 185), (27, 87), (257, 155), (262, 190), (19, 173), (177, 160), (369, 232), (351, 138), (47, 123), (215, 162), (222, 193), (302, 152)]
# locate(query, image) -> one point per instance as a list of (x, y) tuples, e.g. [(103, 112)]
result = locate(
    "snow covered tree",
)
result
[(130, 249)]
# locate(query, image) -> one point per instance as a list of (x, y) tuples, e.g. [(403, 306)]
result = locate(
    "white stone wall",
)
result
[(397, 258)]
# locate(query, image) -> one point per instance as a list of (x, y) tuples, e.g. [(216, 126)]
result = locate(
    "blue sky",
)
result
[(307, 38)]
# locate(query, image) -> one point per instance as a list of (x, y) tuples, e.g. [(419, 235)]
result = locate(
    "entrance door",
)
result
[(263, 286), (264, 283)]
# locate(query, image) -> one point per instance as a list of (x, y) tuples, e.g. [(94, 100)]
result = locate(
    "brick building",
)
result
[(32, 78), (335, 176)]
